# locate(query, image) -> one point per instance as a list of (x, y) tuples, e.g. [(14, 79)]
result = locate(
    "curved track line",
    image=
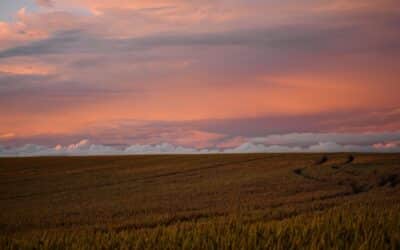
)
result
[(145, 178)]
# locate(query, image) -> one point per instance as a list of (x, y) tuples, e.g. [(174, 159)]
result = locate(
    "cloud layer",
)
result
[(290, 143), (199, 74)]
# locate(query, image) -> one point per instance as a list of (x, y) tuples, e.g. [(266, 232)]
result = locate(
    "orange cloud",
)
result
[(183, 104), (26, 69), (19, 31), (13, 33), (122, 4), (7, 136)]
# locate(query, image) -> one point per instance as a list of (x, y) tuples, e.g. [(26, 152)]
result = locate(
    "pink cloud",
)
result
[(91, 62), (26, 69)]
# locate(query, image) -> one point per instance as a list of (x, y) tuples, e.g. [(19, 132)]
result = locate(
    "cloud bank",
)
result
[(200, 74), (85, 148), (289, 143)]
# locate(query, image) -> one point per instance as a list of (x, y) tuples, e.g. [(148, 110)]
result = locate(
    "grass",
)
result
[(249, 201)]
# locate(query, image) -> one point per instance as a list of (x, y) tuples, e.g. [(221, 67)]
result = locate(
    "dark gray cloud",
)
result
[(318, 122), (45, 3), (61, 42), (51, 85), (80, 42), (325, 34)]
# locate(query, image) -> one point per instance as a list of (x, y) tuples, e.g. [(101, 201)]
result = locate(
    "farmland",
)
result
[(221, 201)]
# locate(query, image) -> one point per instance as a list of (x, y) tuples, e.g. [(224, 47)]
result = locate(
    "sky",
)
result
[(198, 76)]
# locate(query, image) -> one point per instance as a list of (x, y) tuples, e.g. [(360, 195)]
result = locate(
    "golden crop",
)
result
[(243, 201)]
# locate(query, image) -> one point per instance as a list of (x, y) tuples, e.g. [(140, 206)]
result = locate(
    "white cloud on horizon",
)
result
[(289, 143), (308, 139), (84, 147), (321, 147)]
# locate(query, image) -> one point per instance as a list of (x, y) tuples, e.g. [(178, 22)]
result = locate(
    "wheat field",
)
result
[(221, 201)]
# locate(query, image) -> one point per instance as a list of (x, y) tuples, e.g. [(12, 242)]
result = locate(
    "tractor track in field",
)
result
[(104, 166), (349, 160), (140, 179), (323, 160), (300, 171), (355, 186)]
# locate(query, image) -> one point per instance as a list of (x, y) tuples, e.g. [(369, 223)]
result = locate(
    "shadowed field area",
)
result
[(243, 201)]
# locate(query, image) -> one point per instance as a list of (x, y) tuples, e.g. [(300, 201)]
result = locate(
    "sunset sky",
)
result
[(140, 76)]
